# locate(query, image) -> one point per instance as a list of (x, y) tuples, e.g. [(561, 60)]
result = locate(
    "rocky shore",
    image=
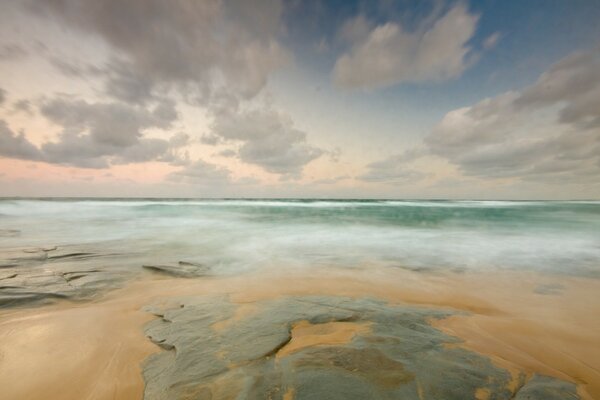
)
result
[(249, 337)]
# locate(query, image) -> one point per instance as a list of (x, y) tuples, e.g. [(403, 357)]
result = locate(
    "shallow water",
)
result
[(241, 235)]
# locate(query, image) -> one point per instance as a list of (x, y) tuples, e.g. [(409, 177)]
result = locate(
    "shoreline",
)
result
[(550, 334)]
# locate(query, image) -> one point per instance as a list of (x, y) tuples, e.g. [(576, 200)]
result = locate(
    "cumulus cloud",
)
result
[(388, 54), (217, 54), (97, 135), (550, 131), (573, 81), (201, 173), (268, 138), (214, 53), (206, 46), (112, 124)]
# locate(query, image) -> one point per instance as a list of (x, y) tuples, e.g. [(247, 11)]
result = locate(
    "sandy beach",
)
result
[(299, 200), (95, 349)]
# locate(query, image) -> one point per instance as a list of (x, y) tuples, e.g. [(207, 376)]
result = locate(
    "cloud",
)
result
[(97, 135), (207, 46), (72, 68), (227, 153), (214, 54), (268, 139), (574, 81), (394, 169), (201, 173), (388, 54), (126, 84), (112, 124), (17, 146), (355, 29), (210, 139), (550, 131), (11, 51), (492, 40), (23, 105), (2, 96)]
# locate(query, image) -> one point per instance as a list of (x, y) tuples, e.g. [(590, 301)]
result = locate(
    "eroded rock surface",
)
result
[(44, 274), (400, 357)]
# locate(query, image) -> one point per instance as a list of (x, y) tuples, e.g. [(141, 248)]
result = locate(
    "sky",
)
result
[(490, 99)]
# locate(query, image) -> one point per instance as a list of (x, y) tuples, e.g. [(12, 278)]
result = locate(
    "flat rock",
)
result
[(182, 269), (46, 274), (400, 356)]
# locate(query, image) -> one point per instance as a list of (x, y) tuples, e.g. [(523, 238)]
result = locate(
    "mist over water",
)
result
[(240, 235)]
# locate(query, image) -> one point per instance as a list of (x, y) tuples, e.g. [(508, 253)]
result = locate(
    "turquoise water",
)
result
[(233, 235)]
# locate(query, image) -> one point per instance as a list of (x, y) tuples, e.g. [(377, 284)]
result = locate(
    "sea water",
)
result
[(239, 235)]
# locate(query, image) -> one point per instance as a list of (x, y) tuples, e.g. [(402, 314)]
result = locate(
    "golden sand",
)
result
[(93, 350), (79, 352)]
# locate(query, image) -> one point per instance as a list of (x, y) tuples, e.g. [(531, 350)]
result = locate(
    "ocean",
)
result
[(240, 235)]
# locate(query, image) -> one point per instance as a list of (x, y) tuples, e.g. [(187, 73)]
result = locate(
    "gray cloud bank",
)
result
[(97, 135), (213, 54), (218, 55), (547, 132), (201, 47)]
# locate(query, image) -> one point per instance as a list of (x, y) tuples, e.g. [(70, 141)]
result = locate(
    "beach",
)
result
[(299, 200), (180, 316)]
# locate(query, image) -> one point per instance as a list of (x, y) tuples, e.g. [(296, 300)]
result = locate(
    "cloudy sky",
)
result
[(363, 99)]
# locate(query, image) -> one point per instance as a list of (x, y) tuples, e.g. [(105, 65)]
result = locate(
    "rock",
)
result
[(13, 296), (547, 388), (182, 269), (400, 356), (76, 273), (40, 249)]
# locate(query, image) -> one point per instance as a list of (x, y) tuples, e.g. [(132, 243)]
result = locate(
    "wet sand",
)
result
[(93, 350), (74, 351)]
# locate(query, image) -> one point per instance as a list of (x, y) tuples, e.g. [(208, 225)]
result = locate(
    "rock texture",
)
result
[(44, 274), (77, 272), (401, 357)]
